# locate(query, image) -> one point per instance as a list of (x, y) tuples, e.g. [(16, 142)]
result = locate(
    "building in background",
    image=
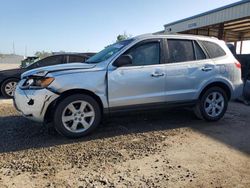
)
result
[(230, 23)]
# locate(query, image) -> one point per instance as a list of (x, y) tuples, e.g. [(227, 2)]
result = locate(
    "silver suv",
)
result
[(148, 71)]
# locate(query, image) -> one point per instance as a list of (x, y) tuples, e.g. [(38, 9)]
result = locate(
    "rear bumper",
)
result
[(237, 91), (33, 104)]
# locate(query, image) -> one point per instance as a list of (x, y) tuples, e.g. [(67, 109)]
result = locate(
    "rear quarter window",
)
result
[(200, 55), (213, 49)]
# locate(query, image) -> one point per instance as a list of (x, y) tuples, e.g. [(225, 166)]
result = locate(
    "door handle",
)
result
[(206, 69), (157, 74)]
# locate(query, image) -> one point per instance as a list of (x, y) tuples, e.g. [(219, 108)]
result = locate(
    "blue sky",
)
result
[(87, 25)]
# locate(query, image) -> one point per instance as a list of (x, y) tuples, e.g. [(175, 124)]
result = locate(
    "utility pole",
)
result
[(25, 50), (14, 47)]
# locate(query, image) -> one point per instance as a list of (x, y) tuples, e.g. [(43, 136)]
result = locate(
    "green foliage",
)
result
[(122, 37), (42, 54)]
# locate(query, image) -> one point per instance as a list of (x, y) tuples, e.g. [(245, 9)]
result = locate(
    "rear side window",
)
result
[(213, 49), (180, 50), (74, 59), (199, 52), (52, 60)]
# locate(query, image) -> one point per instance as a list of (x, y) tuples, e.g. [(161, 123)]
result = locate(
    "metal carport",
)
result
[(230, 23)]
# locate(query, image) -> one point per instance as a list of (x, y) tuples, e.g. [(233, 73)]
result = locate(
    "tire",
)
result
[(212, 105), (8, 87), (77, 115), (246, 90)]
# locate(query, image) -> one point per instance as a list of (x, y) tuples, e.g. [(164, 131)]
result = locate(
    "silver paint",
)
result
[(118, 87), (42, 98)]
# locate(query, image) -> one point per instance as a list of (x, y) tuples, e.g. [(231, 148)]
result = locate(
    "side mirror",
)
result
[(123, 60)]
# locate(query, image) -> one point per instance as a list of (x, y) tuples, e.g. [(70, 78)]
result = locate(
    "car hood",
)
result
[(43, 71), (10, 71)]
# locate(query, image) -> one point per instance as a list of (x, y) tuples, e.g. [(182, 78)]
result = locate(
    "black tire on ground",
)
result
[(50, 128), (58, 122), (246, 91), (5, 85), (200, 111)]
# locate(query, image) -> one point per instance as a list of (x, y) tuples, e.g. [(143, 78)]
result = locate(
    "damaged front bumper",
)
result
[(33, 103)]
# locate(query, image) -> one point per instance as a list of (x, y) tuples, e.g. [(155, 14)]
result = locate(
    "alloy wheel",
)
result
[(10, 88), (78, 116), (214, 104)]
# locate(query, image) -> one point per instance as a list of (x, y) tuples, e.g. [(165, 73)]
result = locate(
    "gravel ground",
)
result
[(167, 148)]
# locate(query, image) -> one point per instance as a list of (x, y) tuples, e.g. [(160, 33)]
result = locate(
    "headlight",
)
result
[(29, 82), (38, 82)]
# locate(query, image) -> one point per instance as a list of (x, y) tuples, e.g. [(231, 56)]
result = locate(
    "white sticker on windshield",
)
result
[(118, 46)]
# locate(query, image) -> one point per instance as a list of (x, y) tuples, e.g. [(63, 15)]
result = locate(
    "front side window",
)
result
[(145, 54), (108, 51), (213, 49), (180, 50), (34, 64)]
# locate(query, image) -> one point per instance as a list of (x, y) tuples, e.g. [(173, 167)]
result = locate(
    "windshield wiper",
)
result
[(91, 62)]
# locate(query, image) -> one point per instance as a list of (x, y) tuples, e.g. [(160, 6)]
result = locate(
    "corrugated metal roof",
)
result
[(209, 12), (230, 23)]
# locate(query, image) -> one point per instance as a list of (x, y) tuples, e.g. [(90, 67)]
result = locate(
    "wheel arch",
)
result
[(220, 84), (49, 115)]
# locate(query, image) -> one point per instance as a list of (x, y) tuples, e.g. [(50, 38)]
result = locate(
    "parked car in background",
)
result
[(28, 61), (10, 78), (148, 71)]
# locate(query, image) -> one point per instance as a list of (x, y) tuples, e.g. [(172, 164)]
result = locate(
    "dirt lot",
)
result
[(168, 148), (6, 66)]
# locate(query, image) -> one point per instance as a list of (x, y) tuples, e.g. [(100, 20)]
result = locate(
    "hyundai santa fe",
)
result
[(147, 71)]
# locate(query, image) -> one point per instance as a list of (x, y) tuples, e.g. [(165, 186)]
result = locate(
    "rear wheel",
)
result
[(8, 87), (212, 104), (77, 115)]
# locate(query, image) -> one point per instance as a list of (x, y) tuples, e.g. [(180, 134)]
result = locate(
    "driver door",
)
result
[(143, 82)]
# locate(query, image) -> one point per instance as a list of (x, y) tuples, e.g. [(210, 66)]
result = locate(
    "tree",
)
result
[(42, 54), (122, 37)]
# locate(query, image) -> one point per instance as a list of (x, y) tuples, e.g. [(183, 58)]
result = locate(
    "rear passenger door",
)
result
[(187, 68)]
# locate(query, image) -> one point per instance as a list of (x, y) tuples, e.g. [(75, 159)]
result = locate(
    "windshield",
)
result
[(30, 64), (108, 51)]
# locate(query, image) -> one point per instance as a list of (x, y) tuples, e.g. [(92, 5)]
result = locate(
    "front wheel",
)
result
[(77, 115), (212, 104)]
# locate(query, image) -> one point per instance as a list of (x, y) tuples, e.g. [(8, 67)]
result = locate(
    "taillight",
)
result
[(237, 64)]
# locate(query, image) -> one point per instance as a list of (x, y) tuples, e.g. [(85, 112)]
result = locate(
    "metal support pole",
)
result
[(196, 32), (235, 44), (241, 45), (221, 31)]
